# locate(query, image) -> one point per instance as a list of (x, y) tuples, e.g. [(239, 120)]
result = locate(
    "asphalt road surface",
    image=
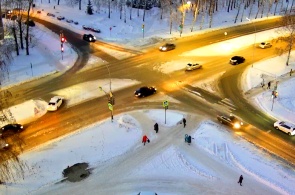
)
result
[(258, 130)]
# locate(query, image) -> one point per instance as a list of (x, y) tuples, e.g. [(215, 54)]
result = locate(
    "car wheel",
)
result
[(221, 122), (276, 128), (289, 134)]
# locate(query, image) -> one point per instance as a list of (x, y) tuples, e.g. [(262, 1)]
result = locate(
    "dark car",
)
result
[(95, 30), (50, 14), (89, 37), (145, 91), (167, 47), (236, 60), (60, 18), (86, 27), (231, 121), (69, 21), (10, 129)]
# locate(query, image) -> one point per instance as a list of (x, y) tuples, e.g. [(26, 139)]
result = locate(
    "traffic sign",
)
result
[(165, 103), (110, 106)]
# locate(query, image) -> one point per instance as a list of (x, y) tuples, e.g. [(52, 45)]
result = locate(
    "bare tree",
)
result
[(11, 167), (287, 35), (1, 25)]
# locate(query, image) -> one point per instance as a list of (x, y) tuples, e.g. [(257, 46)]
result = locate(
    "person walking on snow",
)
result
[(145, 139), (156, 127), (268, 85), (184, 122), (240, 180)]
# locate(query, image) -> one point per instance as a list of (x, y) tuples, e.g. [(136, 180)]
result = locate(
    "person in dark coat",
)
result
[(268, 85), (156, 127), (184, 122), (145, 139), (240, 180)]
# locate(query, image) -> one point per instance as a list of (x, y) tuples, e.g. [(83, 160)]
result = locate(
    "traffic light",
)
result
[(62, 39), (142, 28), (62, 49)]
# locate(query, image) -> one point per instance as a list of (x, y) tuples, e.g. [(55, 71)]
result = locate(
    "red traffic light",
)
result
[(63, 39)]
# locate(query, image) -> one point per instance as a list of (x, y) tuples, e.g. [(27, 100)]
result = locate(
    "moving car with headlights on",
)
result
[(264, 45), (145, 91), (54, 103), (236, 60), (191, 66), (3, 145), (10, 129), (285, 127), (167, 47), (231, 121), (89, 37)]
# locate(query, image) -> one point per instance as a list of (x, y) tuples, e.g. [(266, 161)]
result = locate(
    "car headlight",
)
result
[(237, 125)]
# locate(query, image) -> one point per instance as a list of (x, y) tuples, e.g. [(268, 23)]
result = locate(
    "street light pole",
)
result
[(254, 39)]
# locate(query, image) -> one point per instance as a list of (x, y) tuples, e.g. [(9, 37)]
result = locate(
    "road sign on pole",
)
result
[(111, 109), (165, 105)]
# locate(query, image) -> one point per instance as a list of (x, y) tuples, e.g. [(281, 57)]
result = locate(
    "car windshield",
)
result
[(51, 103)]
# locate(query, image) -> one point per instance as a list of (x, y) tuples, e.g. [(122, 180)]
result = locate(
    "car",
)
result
[(60, 18), (89, 37), (145, 91), (167, 47), (86, 27), (54, 103), (50, 14), (3, 145), (285, 127), (147, 193), (69, 21), (230, 120), (76, 23), (10, 129), (264, 45), (191, 66), (236, 60), (95, 30)]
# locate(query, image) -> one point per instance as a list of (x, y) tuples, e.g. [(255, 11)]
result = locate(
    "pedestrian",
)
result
[(184, 122), (53, 7), (268, 85), (156, 127), (145, 139), (291, 72), (240, 180)]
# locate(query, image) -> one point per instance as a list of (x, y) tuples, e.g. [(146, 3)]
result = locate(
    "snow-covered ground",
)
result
[(213, 162)]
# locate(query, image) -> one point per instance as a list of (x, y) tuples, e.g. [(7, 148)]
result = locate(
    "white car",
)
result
[(54, 103), (264, 45), (191, 66), (285, 127)]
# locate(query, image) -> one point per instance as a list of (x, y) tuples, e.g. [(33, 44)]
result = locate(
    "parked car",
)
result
[(285, 127), (89, 37), (147, 193), (54, 103), (230, 120), (10, 129), (167, 47), (76, 23), (191, 66), (264, 45), (50, 14), (69, 21), (145, 91), (236, 60), (60, 18), (86, 27), (95, 30)]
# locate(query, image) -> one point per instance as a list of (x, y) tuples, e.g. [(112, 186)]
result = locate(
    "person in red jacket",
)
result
[(145, 139)]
